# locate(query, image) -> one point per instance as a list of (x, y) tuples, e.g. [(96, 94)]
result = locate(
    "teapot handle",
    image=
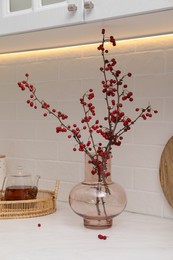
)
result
[(3, 185), (56, 189), (36, 179)]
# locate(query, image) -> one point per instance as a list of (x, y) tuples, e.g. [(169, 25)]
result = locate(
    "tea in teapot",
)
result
[(20, 193), (20, 186)]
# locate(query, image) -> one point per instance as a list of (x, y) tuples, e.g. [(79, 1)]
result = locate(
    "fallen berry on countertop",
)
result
[(100, 236)]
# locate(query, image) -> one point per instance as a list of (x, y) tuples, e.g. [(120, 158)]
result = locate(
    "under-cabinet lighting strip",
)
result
[(47, 49)]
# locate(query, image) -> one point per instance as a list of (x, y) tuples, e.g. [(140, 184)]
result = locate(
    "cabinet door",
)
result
[(104, 9), (18, 16)]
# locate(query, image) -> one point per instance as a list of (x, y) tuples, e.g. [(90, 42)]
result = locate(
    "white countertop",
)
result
[(62, 236)]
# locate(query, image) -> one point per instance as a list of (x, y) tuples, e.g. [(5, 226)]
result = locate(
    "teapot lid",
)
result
[(19, 170)]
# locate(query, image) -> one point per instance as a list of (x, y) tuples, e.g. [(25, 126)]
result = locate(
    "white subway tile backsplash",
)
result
[(64, 171), (132, 155), (71, 108), (64, 190), (38, 71), (149, 203), (25, 112), (7, 74), (46, 130), (168, 106), (85, 68), (95, 84), (169, 60), (153, 86), (142, 63), (62, 76), (8, 110), (42, 150), (167, 210), (13, 129), (9, 92), (147, 180), (123, 176), (156, 133), (60, 90), (7, 147), (66, 153)]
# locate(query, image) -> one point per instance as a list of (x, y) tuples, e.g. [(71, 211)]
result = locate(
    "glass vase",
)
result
[(97, 202)]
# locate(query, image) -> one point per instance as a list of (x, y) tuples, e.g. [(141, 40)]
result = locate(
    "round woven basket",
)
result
[(44, 204)]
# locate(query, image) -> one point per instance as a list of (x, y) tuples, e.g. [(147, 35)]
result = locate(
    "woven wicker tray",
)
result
[(44, 204)]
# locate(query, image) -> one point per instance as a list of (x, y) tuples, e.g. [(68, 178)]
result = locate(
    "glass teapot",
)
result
[(20, 186)]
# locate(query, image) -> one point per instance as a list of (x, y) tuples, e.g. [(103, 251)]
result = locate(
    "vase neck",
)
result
[(104, 172)]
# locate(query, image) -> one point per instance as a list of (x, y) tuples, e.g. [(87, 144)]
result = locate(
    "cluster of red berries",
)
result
[(100, 164), (60, 129), (111, 39), (103, 237), (117, 122), (127, 95), (146, 113)]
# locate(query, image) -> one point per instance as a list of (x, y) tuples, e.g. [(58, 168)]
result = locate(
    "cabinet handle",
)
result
[(72, 7), (88, 5)]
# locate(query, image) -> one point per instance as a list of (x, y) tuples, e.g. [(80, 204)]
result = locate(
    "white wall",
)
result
[(61, 76)]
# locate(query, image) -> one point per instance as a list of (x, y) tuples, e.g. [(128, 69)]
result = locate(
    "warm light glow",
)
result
[(147, 40), (148, 37)]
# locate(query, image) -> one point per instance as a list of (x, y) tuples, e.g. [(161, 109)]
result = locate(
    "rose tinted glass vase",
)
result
[(96, 202)]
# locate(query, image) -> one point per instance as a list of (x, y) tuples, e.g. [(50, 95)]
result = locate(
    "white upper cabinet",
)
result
[(108, 9), (35, 24), (18, 16)]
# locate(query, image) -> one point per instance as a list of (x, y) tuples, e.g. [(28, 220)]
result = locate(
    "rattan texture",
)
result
[(44, 204)]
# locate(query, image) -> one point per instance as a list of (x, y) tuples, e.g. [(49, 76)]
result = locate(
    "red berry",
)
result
[(129, 74), (144, 117), (39, 225), (100, 236), (108, 174), (103, 31)]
